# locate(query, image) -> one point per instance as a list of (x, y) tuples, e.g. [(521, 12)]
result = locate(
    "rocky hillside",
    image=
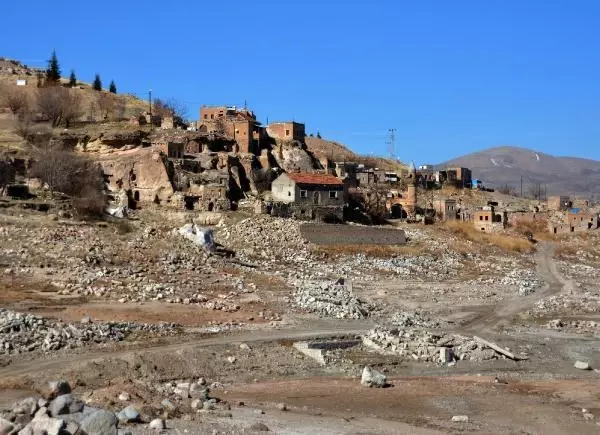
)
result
[(506, 165), (338, 152)]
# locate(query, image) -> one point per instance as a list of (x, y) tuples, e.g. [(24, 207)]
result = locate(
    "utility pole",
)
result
[(150, 104), (521, 186), (391, 143)]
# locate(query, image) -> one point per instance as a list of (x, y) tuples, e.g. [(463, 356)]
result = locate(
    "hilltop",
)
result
[(338, 152), (506, 165)]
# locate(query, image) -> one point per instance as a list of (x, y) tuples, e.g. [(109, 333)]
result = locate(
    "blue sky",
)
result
[(451, 76)]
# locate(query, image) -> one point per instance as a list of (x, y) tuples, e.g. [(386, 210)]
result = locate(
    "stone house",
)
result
[(446, 209), (238, 124), (309, 196), (486, 219), (289, 130), (558, 203), (576, 220)]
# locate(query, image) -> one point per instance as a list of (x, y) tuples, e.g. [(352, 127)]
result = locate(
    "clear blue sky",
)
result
[(451, 76)]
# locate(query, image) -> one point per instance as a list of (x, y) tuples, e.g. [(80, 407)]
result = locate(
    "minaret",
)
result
[(411, 193)]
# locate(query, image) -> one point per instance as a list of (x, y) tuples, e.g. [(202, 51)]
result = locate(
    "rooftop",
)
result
[(306, 178)]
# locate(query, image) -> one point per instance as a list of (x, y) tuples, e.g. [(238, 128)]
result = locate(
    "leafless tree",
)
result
[(170, 107), (73, 175), (60, 105), (15, 98), (106, 104)]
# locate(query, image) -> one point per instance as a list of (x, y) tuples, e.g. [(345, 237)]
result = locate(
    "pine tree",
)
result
[(112, 88), (53, 71), (97, 85), (72, 79)]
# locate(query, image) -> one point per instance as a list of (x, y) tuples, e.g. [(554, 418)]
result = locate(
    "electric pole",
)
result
[(150, 104), (391, 143)]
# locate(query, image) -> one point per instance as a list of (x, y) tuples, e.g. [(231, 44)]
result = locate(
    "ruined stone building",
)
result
[(308, 196), (446, 209), (288, 130), (237, 124), (575, 221), (403, 205), (488, 220), (557, 203), (459, 177)]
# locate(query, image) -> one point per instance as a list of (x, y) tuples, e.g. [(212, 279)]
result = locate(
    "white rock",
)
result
[(582, 365), (372, 378), (157, 424), (460, 419)]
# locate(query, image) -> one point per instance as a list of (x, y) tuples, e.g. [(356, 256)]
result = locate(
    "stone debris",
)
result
[(372, 378), (157, 424), (460, 419), (408, 319), (525, 280), (425, 346), (21, 333), (331, 300)]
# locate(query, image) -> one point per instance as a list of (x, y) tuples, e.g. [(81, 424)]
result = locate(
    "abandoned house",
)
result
[(308, 196), (576, 220), (559, 203), (459, 177), (287, 131), (238, 124), (445, 209), (486, 219)]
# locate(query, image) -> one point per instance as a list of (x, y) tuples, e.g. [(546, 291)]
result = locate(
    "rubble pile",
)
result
[(425, 346), (525, 280), (407, 319), (582, 326), (20, 333), (330, 300)]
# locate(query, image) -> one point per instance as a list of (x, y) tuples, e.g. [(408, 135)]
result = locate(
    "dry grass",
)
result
[(376, 251), (505, 242)]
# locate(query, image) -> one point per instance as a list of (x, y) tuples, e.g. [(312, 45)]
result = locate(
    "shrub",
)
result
[(508, 243)]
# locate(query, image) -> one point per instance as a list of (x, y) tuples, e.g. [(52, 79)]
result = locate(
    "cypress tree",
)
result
[(112, 88), (97, 85), (53, 71), (72, 80)]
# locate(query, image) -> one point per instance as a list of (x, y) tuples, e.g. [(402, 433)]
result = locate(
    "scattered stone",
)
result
[(26, 406), (57, 388), (129, 415), (157, 424), (124, 397), (582, 365), (231, 359), (168, 405), (86, 320), (282, 406), (460, 419), (372, 378), (260, 427), (46, 425), (100, 422), (244, 346)]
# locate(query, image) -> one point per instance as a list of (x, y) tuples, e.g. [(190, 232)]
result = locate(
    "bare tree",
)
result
[(106, 104), (15, 98), (170, 107), (67, 172), (60, 105)]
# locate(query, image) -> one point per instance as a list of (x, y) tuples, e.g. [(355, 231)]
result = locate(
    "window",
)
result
[(480, 218), (212, 116), (303, 194), (487, 218), (287, 132), (205, 116), (289, 193), (333, 194)]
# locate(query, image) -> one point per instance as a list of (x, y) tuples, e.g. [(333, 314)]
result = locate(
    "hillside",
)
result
[(338, 152), (506, 165)]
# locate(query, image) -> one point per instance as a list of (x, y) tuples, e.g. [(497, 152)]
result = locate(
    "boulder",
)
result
[(46, 425), (65, 404), (6, 427), (57, 388), (460, 419), (582, 365), (157, 424), (100, 423), (26, 406), (372, 378), (129, 415)]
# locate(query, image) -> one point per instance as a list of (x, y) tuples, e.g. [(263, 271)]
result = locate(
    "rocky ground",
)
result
[(135, 317)]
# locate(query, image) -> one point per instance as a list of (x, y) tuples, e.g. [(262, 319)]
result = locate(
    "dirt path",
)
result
[(318, 329), (492, 318)]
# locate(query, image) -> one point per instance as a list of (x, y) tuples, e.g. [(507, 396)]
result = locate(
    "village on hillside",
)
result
[(226, 159), (165, 273)]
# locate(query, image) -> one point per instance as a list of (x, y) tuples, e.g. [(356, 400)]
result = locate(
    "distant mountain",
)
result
[(506, 165)]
